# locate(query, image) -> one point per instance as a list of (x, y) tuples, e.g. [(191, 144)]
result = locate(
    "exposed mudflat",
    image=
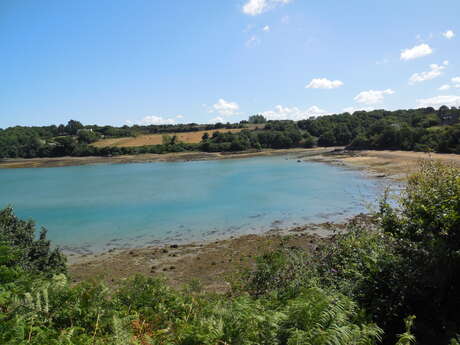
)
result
[(145, 158), (212, 263)]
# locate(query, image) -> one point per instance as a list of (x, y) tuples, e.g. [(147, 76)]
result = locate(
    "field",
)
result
[(156, 139)]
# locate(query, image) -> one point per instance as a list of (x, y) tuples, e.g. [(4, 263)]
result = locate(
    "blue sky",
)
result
[(149, 61)]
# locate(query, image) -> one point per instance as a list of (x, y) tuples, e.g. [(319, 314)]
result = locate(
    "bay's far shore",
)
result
[(378, 163), (52, 162)]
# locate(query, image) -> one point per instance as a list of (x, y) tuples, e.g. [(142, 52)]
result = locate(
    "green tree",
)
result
[(34, 255), (73, 127), (327, 139), (256, 119)]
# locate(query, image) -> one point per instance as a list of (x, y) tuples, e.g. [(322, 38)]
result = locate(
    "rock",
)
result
[(174, 246)]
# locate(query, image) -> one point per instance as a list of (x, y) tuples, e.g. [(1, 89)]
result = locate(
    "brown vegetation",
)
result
[(157, 139)]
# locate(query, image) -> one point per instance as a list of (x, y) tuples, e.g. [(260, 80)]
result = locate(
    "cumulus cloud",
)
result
[(372, 96), (438, 101), (266, 28), (434, 72), (416, 52), (256, 7), (455, 83), (444, 87), (449, 34), (323, 83), (351, 110), (217, 120), (225, 108), (293, 113), (157, 120)]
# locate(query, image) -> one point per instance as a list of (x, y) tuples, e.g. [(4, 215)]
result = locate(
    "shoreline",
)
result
[(394, 165), (19, 163), (211, 262)]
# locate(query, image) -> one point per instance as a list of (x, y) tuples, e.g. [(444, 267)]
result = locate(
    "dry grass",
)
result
[(156, 139)]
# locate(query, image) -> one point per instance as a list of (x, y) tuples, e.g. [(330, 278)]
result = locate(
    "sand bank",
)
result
[(392, 164)]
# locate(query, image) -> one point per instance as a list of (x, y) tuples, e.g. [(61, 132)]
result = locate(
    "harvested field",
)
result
[(156, 139)]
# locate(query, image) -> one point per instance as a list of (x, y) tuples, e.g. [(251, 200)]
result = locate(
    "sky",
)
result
[(121, 62)]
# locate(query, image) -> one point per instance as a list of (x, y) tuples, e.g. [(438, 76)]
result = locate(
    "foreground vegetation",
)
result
[(388, 282), (424, 129)]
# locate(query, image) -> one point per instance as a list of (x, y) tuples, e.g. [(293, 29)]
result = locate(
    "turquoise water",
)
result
[(98, 207)]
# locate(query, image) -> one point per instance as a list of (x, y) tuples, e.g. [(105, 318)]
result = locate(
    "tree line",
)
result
[(423, 129)]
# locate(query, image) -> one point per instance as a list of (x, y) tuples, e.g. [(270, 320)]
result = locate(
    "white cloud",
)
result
[(434, 72), (266, 28), (449, 34), (436, 102), (455, 83), (157, 120), (256, 7), (416, 52), (323, 83), (351, 110), (179, 116), (217, 119), (444, 87), (293, 113), (372, 96), (225, 108)]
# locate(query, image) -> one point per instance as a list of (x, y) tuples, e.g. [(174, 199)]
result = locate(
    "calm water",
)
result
[(98, 207)]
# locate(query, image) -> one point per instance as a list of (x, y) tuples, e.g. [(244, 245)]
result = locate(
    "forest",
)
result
[(424, 129), (391, 281)]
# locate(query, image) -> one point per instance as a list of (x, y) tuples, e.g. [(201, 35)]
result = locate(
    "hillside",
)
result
[(157, 139)]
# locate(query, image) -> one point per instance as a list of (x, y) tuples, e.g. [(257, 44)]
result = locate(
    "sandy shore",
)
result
[(392, 164), (145, 158)]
